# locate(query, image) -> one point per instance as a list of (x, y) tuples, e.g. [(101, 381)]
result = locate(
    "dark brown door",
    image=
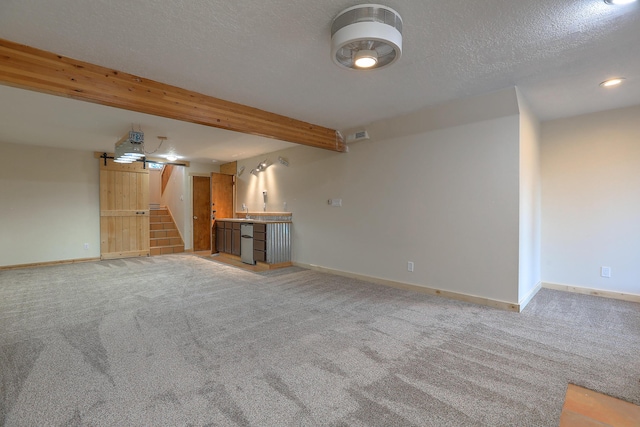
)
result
[(201, 213), (222, 200)]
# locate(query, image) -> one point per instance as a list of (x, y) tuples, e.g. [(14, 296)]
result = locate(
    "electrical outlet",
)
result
[(605, 271), (86, 246), (410, 266)]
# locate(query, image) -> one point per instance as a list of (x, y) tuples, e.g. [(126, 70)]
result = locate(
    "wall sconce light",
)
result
[(240, 170)]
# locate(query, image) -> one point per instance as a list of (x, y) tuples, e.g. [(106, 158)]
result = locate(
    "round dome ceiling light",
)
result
[(612, 82), (366, 36)]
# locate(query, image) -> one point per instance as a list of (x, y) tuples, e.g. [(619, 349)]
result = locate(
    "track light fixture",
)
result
[(263, 165)]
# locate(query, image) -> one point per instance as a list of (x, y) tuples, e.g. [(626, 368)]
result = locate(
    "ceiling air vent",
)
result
[(357, 136)]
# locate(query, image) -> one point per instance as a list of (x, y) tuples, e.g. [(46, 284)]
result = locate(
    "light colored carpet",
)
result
[(181, 340)]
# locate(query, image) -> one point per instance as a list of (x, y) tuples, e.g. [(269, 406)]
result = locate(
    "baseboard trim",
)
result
[(502, 305), (590, 291), (47, 264), (526, 300)]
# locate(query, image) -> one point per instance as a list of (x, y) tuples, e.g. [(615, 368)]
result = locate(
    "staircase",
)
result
[(164, 235)]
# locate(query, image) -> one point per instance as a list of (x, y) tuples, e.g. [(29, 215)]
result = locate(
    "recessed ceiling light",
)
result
[(619, 2), (612, 82), (172, 158)]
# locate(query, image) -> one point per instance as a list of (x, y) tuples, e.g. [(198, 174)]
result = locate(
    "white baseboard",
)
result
[(526, 300), (589, 291), (503, 305)]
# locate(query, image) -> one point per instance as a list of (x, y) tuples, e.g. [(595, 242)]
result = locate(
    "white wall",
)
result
[(49, 205), (174, 197), (155, 186), (445, 198), (530, 203), (591, 200)]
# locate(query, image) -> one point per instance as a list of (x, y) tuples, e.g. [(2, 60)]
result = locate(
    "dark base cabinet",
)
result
[(235, 239), (228, 237), (219, 236), (271, 242), (260, 242)]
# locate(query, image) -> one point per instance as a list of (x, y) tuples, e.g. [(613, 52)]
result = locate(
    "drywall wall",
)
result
[(445, 199), (530, 203), (174, 196), (591, 200), (49, 205), (155, 186)]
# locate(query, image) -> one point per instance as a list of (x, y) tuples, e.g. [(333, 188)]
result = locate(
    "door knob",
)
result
[(195, 217)]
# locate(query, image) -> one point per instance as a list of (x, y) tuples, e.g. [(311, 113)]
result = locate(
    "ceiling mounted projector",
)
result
[(366, 37)]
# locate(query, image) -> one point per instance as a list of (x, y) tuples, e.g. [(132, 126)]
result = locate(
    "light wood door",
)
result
[(201, 213), (222, 197), (124, 210)]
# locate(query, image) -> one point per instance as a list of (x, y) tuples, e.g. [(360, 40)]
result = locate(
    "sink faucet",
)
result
[(247, 209)]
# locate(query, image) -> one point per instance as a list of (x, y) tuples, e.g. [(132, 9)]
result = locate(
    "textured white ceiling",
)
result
[(275, 55)]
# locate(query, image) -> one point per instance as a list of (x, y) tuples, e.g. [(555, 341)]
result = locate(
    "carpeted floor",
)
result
[(180, 340)]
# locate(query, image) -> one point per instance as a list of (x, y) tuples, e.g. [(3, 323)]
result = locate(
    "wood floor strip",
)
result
[(585, 408)]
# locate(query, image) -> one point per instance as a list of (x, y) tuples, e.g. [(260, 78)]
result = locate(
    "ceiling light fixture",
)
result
[(130, 147), (612, 82), (366, 58), (619, 2), (171, 157), (366, 36)]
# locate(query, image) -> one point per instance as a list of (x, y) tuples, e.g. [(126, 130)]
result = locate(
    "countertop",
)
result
[(253, 220)]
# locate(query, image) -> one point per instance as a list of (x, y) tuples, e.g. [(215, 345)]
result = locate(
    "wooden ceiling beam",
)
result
[(41, 71)]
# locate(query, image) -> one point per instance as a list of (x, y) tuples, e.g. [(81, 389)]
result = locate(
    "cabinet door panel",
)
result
[(220, 236), (259, 256), (227, 240), (235, 242)]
